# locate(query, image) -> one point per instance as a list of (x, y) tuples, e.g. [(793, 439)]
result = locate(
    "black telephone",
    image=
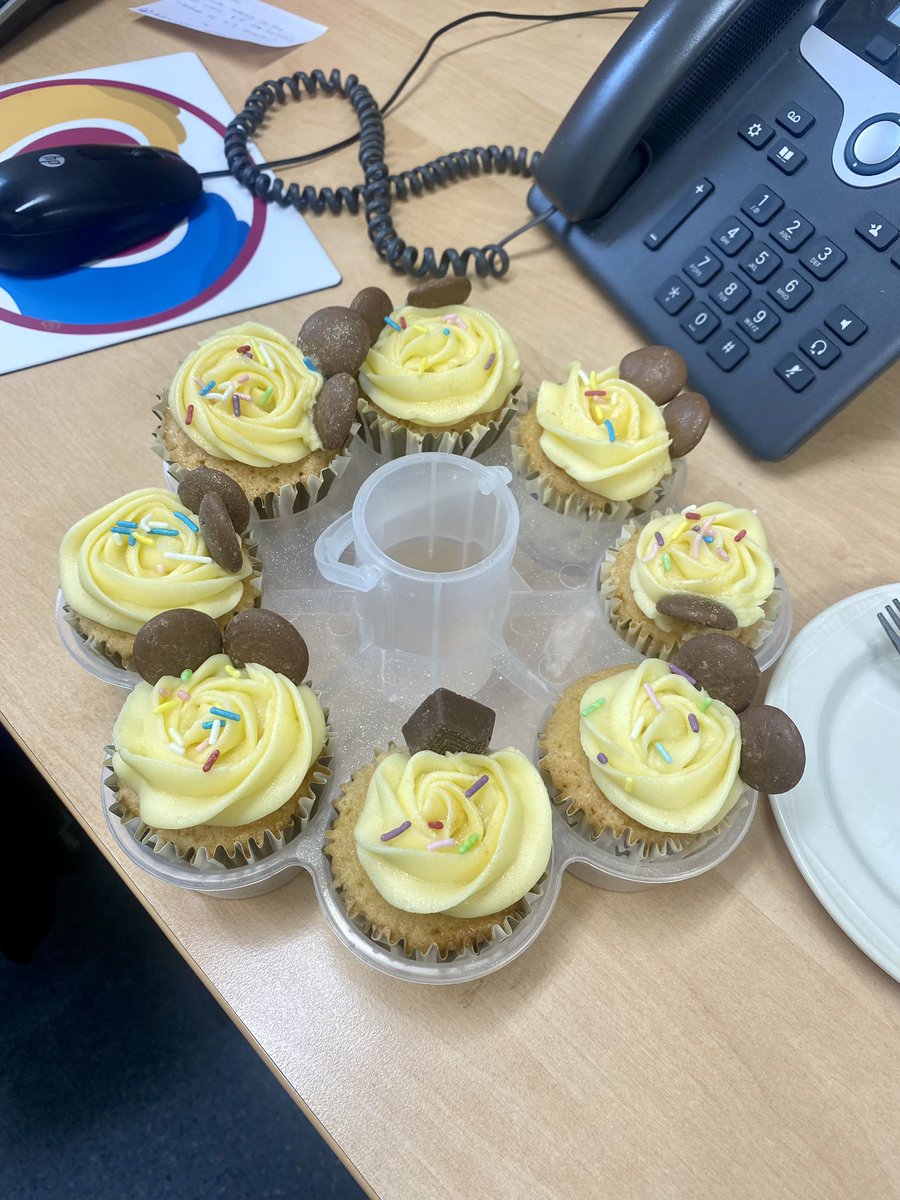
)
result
[(731, 177)]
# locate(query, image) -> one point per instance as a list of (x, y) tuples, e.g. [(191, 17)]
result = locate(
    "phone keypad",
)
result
[(731, 236), (759, 319), (755, 131), (760, 262), (699, 322), (727, 350), (789, 289), (846, 324), (822, 258), (794, 373), (673, 295), (729, 293), (877, 231), (762, 205), (792, 230), (819, 348), (702, 266), (795, 120), (786, 156)]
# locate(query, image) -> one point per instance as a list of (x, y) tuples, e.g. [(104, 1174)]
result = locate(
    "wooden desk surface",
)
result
[(719, 1039)]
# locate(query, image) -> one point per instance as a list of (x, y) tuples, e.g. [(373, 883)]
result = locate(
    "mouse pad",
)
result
[(232, 252)]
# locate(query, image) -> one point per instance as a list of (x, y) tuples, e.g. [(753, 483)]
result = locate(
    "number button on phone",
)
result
[(702, 266), (760, 262), (731, 236), (699, 322), (673, 295), (794, 119), (729, 293), (786, 157), (727, 350), (759, 320), (789, 290), (756, 132), (794, 373), (846, 324), (762, 205), (819, 348), (792, 230), (878, 232), (823, 258)]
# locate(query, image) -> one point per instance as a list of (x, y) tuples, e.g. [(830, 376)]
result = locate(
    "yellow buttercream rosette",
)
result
[(606, 434), (252, 398), (121, 580), (493, 843), (161, 746), (661, 751)]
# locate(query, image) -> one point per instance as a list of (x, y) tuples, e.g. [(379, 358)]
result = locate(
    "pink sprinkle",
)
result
[(653, 696), (695, 548), (435, 824), (163, 692), (595, 393), (242, 378), (456, 319), (189, 415), (439, 845), (403, 322), (742, 534), (723, 554), (490, 362), (704, 528), (652, 553), (182, 694), (211, 761)]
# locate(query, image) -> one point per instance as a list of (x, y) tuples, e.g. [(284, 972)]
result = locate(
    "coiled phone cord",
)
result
[(374, 195)]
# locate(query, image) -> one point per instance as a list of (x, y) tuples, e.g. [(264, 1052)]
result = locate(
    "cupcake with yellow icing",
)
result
[(602, 443), (685, 573), (441, 375), (150, 551), (437, 848), (248, 403), (227, 759)]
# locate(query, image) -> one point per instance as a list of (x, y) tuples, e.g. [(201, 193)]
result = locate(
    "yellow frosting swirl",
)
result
[(699, 786), (576, 437), (263, 758), (122, 586), (274, 426), (739, 574), (446, 366), (505, 824)]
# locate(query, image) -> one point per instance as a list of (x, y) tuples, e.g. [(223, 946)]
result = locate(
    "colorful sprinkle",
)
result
[(165, 706), (693, 516), (200, 558), (708, 538), (264, 355), (676, 670), (186, 520), (663, 752), (126, 525), (490, 362), (694, 723), (610, 430), (131, 541), (143, 539), (264, 398), (308, 363), (446, 331), (217, 727), (435, 824), (636, 729), (456, 319), (189, 415), (723, 554), (468, 843), (207, 388), (232, 671), (392, 833), (660, 540), (211, 761), (596, 412), (165, 532), (160, 691), (182, 694), (224, 712), (595, 392), (704, 528), (651, 553), (203, 744), (602, 759), (393, 324), (653, 696), (175, 736), (245, 350), (742, 534), (236, 403), (582, 375), (476, 787), (667, 563), (186, 674), (242, 378), (441, 844), (403, 323), (695, 528), (175, 748), (706, 703), (586, 712)]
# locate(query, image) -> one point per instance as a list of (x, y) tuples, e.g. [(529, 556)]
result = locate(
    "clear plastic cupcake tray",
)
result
[(512, 618)]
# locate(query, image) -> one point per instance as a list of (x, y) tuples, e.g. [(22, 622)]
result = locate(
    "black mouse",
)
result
[(73, 205)]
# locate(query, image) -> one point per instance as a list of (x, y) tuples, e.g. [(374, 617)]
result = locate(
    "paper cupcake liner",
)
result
[(577, 505), (245, 852), (642, 637), (390, 439), (397, 946), (292, 498)]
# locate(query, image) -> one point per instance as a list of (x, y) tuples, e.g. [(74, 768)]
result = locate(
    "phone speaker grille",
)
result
[(740, 45)]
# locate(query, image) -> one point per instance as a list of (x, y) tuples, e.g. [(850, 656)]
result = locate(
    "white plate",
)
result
[(840, 682)]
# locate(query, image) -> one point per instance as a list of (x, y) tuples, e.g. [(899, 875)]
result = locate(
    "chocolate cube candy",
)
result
[(449, 724)]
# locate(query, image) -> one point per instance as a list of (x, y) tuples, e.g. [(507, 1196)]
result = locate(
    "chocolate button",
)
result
[(335, 409), (687, 419), (697, 610), (180, 639), (658, 371), (257, 635), (726, 668), (218, 532), (198, 482), (448, 723), (335, 340), (440, 293), (773, 756), (373, 305)]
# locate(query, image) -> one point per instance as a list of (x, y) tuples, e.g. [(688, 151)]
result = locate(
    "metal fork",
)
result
[(892, 611)]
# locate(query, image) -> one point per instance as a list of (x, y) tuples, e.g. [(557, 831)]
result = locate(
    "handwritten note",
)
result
[(241, 20)]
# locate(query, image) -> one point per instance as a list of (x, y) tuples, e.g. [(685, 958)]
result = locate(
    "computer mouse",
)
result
[(73, 205)]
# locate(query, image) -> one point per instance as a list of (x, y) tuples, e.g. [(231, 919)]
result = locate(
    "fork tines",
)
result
[(892, 630)]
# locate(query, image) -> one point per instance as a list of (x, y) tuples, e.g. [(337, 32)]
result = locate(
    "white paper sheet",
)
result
[(241, 20)]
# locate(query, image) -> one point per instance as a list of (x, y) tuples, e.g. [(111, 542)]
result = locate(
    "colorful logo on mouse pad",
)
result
[(165, 278)]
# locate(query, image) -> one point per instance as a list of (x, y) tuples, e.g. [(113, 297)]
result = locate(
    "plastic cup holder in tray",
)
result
[(418, 554)]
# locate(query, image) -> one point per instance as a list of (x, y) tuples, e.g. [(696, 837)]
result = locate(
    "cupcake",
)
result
[(601, 444), (441, 375), (660, 756), (152, 550), (437, 847), (247, 403), (682, 573), (225, 758)]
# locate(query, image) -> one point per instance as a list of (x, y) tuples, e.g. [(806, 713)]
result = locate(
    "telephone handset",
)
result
[(731, 177)]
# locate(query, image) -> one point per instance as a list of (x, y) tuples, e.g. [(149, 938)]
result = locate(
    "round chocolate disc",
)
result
[(773, 756), (373, 305), (697, 610), (335, 340), (726, 668), (335, 409), (218, 532), (180, 639), (658, 371), (440, 293), (687, 419), (257, 635), (201, 480)]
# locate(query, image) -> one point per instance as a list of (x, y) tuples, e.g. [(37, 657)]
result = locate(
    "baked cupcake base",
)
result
[(392, 437)]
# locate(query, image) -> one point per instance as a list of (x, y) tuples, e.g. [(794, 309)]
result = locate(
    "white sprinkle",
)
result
[(160, 569), (157, 525), (263, 354), (582, 375), (176, 737), (201, 558), (636, 730), (117, 537), (145, 524), (229, 388), (216, 396), (215, 731), (176, 749)]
